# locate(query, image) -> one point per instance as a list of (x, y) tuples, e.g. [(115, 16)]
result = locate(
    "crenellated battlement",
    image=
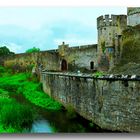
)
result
[(133, 10), (113, 20)]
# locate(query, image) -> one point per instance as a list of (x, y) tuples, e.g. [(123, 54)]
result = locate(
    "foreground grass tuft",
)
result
[(14, 116)]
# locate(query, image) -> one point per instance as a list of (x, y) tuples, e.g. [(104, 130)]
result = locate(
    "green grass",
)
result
[(21, 84), (4, 93), (39, 97), (8, 129), (14, 117), (14, 114)]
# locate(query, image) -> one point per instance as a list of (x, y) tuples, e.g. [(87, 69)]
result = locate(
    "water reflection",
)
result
[(56, 121), (41, 126)]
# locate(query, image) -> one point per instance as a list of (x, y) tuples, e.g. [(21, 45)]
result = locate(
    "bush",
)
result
[(2, 69), (98, 74), (91, 124)]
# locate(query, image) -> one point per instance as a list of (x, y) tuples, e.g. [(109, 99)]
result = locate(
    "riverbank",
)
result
[(14, 116), (25, 108)]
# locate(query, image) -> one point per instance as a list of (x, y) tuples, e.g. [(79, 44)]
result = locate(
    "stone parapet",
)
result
[(112, 104)]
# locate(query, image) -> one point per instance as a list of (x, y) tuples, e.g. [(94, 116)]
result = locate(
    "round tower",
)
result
[(133, 16), (109, 36)]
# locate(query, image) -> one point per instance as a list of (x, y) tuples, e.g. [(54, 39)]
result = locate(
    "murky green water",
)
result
[(56, 121)]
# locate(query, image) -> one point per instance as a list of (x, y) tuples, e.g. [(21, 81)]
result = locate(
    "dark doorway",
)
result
[(91, 65), (64, 65)]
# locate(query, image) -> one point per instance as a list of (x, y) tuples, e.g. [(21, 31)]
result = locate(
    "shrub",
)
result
[(97, 74), (91, 124), (2, 69)]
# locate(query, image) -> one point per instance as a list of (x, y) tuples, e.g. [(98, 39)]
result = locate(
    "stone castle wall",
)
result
[(48, 59), (104, 55), (76, 58), (133, 16), (109, 32), (111, 104), (79, 56)]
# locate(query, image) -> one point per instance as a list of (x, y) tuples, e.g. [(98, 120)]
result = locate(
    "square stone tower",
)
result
[(109, 39)]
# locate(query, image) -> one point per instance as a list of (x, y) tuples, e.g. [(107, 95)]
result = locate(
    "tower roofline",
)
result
[(109, 20)]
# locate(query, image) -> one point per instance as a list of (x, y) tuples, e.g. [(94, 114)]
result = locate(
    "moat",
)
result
[(58, 121), (84, 88)]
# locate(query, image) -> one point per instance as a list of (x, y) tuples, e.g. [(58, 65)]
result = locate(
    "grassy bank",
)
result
[(14, 117), (23, 83)]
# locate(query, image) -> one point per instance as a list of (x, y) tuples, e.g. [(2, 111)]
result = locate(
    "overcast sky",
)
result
[(46, 27)]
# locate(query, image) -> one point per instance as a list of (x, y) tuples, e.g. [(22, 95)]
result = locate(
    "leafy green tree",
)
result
[(5, 51), (34, 49)]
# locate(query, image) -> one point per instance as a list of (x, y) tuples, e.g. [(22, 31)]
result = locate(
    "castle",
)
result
[(110, 32), (102, 56), (111, 103)]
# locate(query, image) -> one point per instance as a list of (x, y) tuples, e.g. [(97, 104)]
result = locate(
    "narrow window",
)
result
[(91, 65)]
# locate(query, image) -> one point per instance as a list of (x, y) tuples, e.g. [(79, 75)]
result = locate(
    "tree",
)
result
[(5, 51), (34, 49)]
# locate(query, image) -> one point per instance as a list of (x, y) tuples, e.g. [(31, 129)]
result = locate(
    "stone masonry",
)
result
[(133, 16), (102, 56), (109, 39), (112, 104)]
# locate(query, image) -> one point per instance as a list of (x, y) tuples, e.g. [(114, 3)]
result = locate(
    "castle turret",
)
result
[(133, 17), (109, 38), (62, 49)]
